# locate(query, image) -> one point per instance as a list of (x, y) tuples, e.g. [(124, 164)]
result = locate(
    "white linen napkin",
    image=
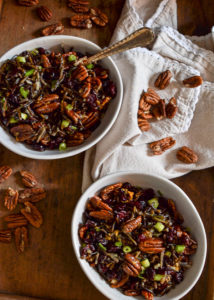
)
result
[(125, 146)]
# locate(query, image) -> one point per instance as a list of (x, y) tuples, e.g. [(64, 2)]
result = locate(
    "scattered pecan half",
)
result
[(11, 198), (145, 114), (32, 195), (5, 236), (162, 145), (187, 155), (28, 179), (131, 225), (75, 139), (171, 108), (143, 104), (147, 295), (143, 124), (152, 245), (120, 283), (163, 80), (5, 173), (22, 132), (98, 17), (110, 188), (80, 73), (53, 29), (15, 220), (98, 203), (28, 2), (132, 265), (159, 110), (21, 238), (101, 214), (81, 21), (193, 81), (47, 104), (151, 96), (79, 6), (44, 13), (32, 214)]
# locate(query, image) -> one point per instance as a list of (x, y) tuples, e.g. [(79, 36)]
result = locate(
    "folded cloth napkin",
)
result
[(125, 146)]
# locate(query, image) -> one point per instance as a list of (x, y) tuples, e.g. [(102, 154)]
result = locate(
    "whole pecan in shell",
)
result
[(47, 104), (151, 96), (75, 139), (32, 195), (5, 173), (98, 203), (163, 80), (80, 73), (22, 132), (147, 295), (32, 214), (120, 283), (81, 21), (187, 155), (101, 214), (162, 145), (53, 29), (21, 238), (11, 198), (159, 110), (98, 17), (28, 179), (171, 108), (151, 246), (15, 220), (131, 225), (110, 188), (143, 124), (193, 81), (79, 6), (28, 2), (44, 13), (5, 236)]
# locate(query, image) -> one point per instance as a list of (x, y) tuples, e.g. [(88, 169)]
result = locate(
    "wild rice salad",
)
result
[(135, 239)]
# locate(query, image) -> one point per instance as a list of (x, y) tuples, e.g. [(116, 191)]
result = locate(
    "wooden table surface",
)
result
[(49, 269)]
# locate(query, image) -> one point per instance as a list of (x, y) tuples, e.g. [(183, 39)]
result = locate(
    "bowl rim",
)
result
[(40, 155), (161, 179)]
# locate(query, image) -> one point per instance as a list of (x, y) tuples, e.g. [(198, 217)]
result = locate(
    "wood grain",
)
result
[(49, 269)]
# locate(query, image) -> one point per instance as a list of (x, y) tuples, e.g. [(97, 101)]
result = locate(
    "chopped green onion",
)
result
[(159, 226), (180, 248), (39, 68), (97, 229), (160, 194), (102, 247), (53, 84), (158, 277), (118, 244), (13, 120), (24, 116), (62, 146), (72, 57), (90, 66), (21, 59), (65, 124), (83, 245), (34, 52), (153, 202), (29, 72), (168, 253), (3, 100), (145, 263), (69, 107), (74, 127), (23, 92), (127, 249)]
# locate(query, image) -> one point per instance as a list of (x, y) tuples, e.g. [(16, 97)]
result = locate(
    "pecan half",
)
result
[(98, 203), (131, 225), (187, 155), (11, 198), (80, 73), (81, 21), (145, 114), (131, 293), (147, 295), (132, 265), (159, 110), (95, 82), (45, 61), (84, 91), (28, 179), (152, 245), (143, 124), (143, 105), (21, 238), (47, 104), (177, 216), (171, 108), (32, 214), (163, 80), (193, 81), (5, 236), (98, 17), (53, 29), (162, 145), (28, 2), (75, 139), (82, 231), (120, 283), (44, 13), (104, 101), (22, 132), (32, 195), (110, 188), (5, 173), (151, 96), (91, 120), (79, 6), (101, 214), (15, 220)]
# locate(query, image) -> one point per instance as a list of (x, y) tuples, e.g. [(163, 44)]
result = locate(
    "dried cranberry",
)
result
[(13, 100), (112, 90), (140, 204), (38, 147), (90, 223), (178, 277), (127, 185), (185, 240), (141, 238), (150, 273), (147, 194), (112, 248), (41, 50), (91, 100)]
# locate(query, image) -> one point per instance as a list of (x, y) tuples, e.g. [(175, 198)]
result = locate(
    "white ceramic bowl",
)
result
[(82, 45), (185, 207)]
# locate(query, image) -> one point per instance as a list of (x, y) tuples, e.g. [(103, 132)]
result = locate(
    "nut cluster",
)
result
[(17, 223)]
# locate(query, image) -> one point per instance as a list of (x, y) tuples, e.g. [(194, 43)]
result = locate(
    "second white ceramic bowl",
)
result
[(184, 205), (84, 46)]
